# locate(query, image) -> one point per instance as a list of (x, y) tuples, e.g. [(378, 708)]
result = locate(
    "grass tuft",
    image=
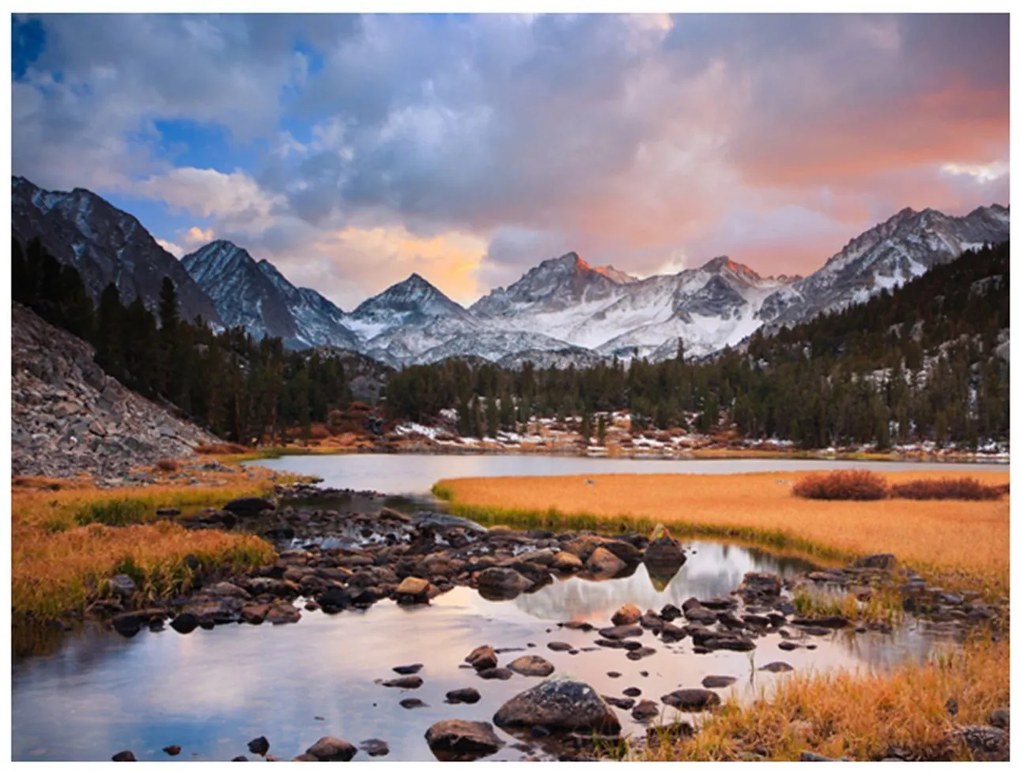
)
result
[(843, 486), (966, 489)]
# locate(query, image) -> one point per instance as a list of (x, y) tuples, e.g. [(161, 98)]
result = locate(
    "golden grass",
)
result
[(958, 543), (862, 717), (59, 565)]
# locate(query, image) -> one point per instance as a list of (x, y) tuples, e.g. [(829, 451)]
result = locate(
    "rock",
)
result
[(565, 562), (760, 587), (621, 632), (462, 739), (698, 613), (248, 507), (711, 640), (226, 589), (650, 620), (255, 613), (786, 645), (627, 615), (242, 759), (876, 561), (168, 512), (645, 710), (617, 702), (557, 645), (122, 584), (497, 673), (259, 746), (304, 757), (776, 666), (501, 583), (559, 704), (603, 563), (283, 613), (463, 696), (412, 591), (331, 748), (124, 755), (185, 622), (692, 699), (482, 657), (374, 747), (664, 551), (670, 612), (826, 622), (172, 749), (412, 703), (533, 666), (984, 742), (671, 633), (642, 651), (718, 681), (806, 757), (408, 682), (632, 691), (999, 718), (408, 669)]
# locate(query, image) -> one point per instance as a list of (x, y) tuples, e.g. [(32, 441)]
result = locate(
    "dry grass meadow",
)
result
[(962, 543), (62, 553)]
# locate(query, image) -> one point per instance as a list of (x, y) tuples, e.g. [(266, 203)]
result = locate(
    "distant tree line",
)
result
[(239, 388), (917, 363)]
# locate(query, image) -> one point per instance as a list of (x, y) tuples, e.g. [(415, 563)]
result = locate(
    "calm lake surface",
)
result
[(212, 691), (415, 474)]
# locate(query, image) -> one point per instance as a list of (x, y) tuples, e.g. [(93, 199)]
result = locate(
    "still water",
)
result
[(212, 691), (415, 474)]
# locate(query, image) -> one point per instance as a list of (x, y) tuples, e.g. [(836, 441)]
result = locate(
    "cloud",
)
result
[(175, 249), (361, 146)]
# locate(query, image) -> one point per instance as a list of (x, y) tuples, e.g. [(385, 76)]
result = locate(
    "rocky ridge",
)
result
[(68, 417)]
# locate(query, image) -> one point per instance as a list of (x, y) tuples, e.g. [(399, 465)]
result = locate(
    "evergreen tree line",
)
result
[(239, 388), (914, 364)]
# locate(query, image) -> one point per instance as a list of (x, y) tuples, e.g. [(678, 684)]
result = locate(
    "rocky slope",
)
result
[(68, 417), (105, 244)]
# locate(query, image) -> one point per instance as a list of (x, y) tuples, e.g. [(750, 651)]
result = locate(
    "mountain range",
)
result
[(562, 311)]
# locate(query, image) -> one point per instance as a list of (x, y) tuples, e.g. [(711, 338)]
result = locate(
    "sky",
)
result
[(353, 150)]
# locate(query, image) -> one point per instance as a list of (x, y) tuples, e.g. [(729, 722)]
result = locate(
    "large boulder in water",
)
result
[(664, 552), (331, 748), (559, 704), (462, 739), (501, 583)]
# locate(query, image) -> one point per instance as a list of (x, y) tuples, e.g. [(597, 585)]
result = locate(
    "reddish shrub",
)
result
[(939, 489), (168, 464), (843, 486)]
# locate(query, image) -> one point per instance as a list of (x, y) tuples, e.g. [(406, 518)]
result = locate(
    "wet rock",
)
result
[(826, 622), (242, 759), (304, 757), (497, 673), (720, 603), (650, 620), (124, 755), (463, 696), (248, 507), (627, 552), (533, 666), (670, 612), (642, 651), (184, 623), (604, 564), (692, 699), (501, 583), (984, 742), (226, 589), (698, 613), (375, 748), (412, 591), (671, 633), (621, 632), (718, 681), (255, 613), (260, 745), (482, 657), (129, 624), (876, 561), (283, 613), (706, 638), (408, 669), (334, 599), (628, 615), (760, 587), (809, 757), (559, 703), (615, 701), (632, 691), (407, 682), (565, 562), (462, 739), (776, 666), (786, 645), (664, 552), (614, 675), (172, 749), (412, 703), (331, 748), (645, 710), (556, 645)]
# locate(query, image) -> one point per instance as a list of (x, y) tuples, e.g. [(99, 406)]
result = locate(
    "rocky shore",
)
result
[(341, 550)]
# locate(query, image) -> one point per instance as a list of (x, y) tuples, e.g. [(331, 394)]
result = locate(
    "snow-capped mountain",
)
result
[(104, 244), (890, 254), (256, 296), (563, 311)]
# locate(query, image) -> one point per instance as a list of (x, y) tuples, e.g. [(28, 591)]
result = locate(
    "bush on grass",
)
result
[(843, 486)]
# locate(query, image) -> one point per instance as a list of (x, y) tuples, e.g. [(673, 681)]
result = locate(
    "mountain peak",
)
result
[(723, 264)]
